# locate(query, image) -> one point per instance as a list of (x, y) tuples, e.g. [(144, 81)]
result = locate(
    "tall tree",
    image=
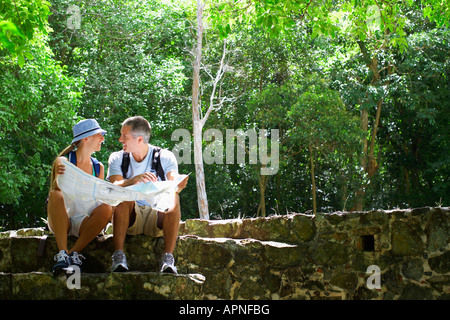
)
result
[(198, 119), (322, 125)]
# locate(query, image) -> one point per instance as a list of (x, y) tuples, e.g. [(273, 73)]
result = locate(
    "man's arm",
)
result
[(170, 166), (118, 180)]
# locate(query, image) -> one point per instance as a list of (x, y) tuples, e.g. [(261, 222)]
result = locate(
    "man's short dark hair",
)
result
[(139, 127)]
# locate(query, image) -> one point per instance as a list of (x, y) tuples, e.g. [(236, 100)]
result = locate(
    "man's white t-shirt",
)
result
[(168, 163)]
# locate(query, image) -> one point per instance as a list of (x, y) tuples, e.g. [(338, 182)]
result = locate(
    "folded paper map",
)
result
[(77, 184)]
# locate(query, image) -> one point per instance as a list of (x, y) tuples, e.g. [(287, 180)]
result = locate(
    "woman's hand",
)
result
[(60, 167)]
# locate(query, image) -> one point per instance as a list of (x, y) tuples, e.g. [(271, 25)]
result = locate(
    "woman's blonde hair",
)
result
[(66, 151)]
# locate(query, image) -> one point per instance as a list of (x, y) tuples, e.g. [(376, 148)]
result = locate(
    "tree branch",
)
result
[(219, 76)]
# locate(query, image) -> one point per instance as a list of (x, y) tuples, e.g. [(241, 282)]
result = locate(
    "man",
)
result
[(138, 217)]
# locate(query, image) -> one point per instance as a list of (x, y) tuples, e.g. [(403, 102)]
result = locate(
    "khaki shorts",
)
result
[(145, 222)]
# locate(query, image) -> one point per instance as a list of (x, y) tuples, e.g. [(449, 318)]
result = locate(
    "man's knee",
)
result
[(176, 209), (124, 208), (124, 214), (174, 215)]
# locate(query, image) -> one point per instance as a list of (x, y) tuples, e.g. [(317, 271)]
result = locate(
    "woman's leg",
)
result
[(92, 226), (57, 218)]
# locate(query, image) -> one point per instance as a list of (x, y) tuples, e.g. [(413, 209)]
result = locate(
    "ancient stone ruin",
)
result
[(385, 255)]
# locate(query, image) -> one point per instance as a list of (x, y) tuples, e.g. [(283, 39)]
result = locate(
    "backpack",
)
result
[(156, 163), (73, 160)]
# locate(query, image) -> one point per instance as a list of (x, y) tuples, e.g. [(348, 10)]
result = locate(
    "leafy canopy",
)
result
[(20, 21)]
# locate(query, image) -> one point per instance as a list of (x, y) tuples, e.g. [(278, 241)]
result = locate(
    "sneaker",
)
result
[(62, 262), (119, 262), (75, 260), (168, 264)]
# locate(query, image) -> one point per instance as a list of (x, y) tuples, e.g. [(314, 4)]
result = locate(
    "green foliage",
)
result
[(437, 11), (19, 22), (320, 119), (38, 105), (415, 144), (310, 114), (296, 66), (130, 58)]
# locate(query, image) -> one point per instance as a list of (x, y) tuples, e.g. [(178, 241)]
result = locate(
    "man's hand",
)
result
[(183, 178), (183, 183), (118, 180), (144, 177)]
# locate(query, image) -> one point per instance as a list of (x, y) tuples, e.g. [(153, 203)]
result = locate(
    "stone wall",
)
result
[(296, 256), (327, 256)]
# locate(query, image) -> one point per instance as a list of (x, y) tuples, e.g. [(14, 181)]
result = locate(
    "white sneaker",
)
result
[(62, 262), (168, 264), (75, 259), (119, 262)]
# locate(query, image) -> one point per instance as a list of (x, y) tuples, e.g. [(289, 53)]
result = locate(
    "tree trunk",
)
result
[(368, 160), (262, 199), (313, 180), (197, 123), (359, 201), (372, 166)]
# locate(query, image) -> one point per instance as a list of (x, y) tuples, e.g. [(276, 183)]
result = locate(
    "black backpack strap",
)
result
[(125, 164), (156, 163)]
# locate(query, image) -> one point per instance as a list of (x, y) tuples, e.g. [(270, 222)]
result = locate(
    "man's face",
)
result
[(130, 143)]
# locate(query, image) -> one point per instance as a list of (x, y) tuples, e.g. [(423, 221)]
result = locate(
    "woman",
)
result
[(73, 217)]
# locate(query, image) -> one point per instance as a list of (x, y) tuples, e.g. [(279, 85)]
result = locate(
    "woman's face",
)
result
[(95, 141)]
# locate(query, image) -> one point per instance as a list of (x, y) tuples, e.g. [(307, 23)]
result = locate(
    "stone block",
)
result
[(102, 286), (405, 240)]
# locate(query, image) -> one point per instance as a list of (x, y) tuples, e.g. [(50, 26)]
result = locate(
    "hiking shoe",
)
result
[(168, 264), (75, 260), (119, 262), (62, 262)]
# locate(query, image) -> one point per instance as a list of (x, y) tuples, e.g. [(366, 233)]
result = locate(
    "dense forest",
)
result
[(358, 93)]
